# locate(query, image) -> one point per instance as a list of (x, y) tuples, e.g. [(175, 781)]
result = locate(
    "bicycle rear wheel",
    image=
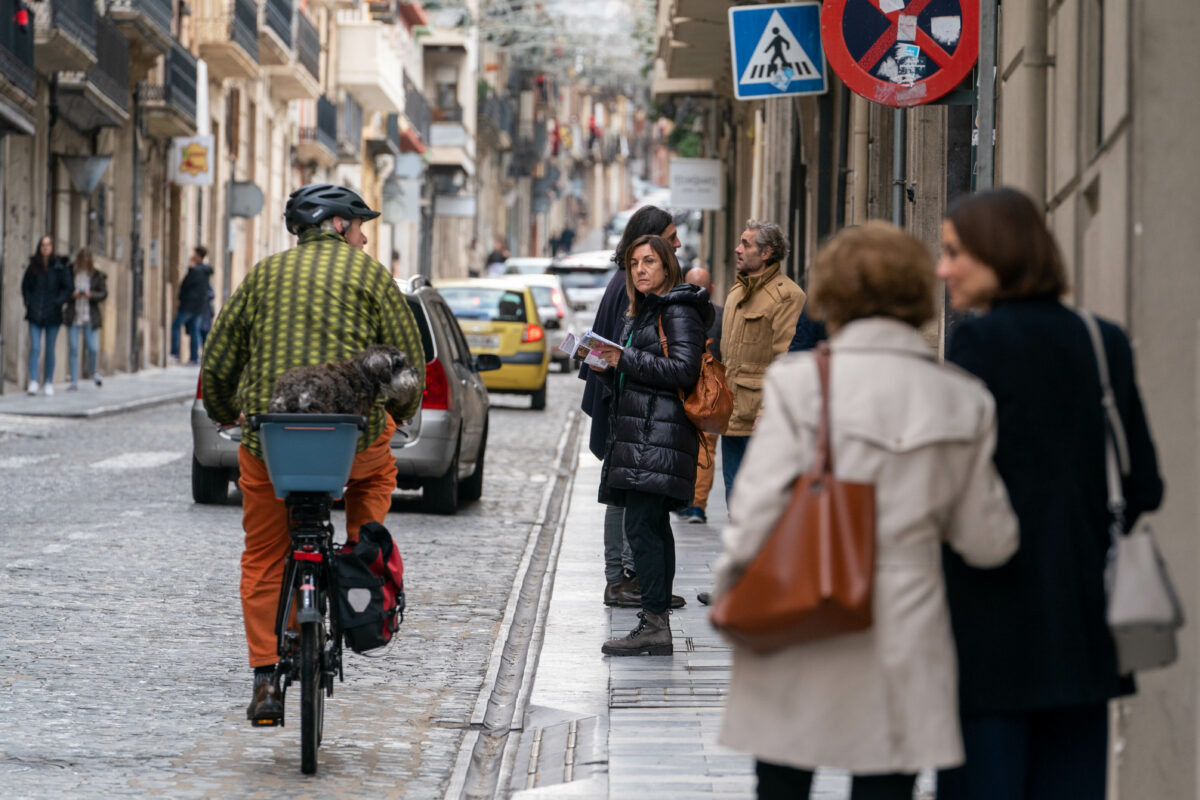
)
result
[(312, 694)]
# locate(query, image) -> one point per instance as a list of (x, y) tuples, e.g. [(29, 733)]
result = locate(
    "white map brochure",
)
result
[(582, 347)]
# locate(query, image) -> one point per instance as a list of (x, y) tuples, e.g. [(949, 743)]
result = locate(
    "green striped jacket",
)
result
[(321, 301)]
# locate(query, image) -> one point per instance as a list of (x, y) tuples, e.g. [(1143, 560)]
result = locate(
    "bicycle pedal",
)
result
[(267, 723)]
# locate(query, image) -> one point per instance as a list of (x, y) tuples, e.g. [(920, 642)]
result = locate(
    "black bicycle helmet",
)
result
[(312, 204)]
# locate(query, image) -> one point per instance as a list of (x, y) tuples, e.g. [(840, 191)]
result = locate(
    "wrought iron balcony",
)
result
[(147, 24), (18, 81), (318, 143), (99, 97), (227, 34), (169, 108), (498, 121), (275, 32), (350, 127), (308, 46), (64, 35), (417, 109)]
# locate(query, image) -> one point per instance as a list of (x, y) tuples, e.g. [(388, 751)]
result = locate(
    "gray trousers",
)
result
[(617, 555)]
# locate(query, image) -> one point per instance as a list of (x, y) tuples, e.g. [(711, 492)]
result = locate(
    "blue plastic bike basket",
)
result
[(309, 455)]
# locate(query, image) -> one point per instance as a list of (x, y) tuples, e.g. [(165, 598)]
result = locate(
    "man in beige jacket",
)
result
[(757, 325)]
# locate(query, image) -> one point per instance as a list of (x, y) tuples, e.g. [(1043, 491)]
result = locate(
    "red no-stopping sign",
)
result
[(901, 52)]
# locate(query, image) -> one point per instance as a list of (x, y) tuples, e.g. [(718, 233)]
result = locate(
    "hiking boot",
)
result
[(629, 595), (651, 637), (267, 705), (611, 591)]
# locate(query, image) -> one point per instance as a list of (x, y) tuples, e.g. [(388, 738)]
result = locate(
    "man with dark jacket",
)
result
[(193, 303)]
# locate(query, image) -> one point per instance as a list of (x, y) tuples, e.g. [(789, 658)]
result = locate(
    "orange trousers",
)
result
[(705, 467), (264, 518)]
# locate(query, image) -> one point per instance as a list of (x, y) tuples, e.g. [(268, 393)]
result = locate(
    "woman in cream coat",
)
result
[(881, 703)]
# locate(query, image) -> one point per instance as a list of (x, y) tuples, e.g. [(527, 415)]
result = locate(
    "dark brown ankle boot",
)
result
[(651, 637)]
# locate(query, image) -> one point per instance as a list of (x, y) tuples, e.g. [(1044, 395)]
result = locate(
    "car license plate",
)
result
[(478, 342)]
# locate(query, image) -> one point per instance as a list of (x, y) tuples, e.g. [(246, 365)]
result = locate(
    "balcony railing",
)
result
[(350, 125), (77, 18), (416, 107), (150, 20), (111, 73), (16, 50), (326, 131), (244, 26), (308, 46), (178, 90), (392, 131), (279, 19), (499, 113)]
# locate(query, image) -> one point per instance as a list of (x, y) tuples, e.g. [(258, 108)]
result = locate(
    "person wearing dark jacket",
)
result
[(650, 461), (83, 315), (1036, 658), (46, 286), (193, 304), (621, 585)]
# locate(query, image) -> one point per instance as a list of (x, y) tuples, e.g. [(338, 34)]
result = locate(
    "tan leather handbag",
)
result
[(814, 576), (710, 402)]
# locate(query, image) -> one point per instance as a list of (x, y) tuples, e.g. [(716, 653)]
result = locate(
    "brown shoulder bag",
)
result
[(710, 403), (814, 576)]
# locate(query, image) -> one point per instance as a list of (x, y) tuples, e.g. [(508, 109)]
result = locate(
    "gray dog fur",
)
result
[(347, 387)]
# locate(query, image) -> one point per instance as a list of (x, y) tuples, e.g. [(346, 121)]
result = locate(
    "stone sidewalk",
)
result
[(600, 727), (126, 391)]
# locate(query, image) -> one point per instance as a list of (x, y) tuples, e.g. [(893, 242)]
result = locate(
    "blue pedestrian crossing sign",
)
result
[(776, 50)]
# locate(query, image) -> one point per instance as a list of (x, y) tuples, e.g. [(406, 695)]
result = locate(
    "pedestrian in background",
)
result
[(46, 286), (493, 266), (880, 703), (809, 332), (650, 462), (759, 322), (83, 316), (706, 465), (1036, 657), (193, 302), (621, 584)]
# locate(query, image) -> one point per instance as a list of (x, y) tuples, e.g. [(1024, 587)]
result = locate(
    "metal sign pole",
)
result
[(899, 162), (985, 162)]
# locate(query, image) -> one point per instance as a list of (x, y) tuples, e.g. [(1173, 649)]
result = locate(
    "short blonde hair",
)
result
[(873, 270)]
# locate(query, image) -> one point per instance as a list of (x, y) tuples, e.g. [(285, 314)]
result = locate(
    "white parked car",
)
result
[(585, 277)]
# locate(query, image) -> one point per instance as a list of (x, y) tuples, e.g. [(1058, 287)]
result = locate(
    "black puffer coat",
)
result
[(652, 447), (46, 289)]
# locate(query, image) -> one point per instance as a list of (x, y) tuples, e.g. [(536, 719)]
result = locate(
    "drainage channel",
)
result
[(486, 757)]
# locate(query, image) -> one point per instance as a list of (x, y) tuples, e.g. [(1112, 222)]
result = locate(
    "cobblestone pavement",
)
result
[(122, 661)]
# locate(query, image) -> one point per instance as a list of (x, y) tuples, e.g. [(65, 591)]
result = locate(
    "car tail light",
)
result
[(437, 388), (199, 390), (533, 333)]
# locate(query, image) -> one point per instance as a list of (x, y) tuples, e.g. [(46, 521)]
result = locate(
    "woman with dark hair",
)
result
[(650, 458), (46, 286), (621, 586), (83, 315), (1036, 659)]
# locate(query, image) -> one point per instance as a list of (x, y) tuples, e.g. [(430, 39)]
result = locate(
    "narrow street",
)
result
[(123, 671)]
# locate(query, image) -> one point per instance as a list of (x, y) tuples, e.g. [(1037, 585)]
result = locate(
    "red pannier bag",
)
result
[(370, 588)]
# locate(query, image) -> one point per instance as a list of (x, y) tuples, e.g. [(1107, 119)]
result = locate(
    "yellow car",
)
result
[(500, 317)]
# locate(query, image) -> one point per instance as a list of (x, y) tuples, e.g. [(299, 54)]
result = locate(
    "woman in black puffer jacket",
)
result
[(650, 464)]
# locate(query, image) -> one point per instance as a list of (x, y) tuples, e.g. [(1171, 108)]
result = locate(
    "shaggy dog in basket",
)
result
[(347, 387)]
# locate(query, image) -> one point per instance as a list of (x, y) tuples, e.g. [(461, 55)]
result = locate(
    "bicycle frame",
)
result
[(308, 586)]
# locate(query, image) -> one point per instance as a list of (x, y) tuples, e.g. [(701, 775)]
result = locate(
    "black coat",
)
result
[(597, 397), (45, 290), (1032, 633), (193, 289), (99, 292), (652, 445)]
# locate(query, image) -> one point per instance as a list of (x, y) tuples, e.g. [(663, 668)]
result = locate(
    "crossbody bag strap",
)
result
[(1116, 452), (823, 463)]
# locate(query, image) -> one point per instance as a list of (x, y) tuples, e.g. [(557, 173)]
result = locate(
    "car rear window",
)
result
[(418, 312), (543, 296), (584, 278), (499, 305)]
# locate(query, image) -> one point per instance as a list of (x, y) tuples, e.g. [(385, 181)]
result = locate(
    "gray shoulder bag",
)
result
[(1143, 609)]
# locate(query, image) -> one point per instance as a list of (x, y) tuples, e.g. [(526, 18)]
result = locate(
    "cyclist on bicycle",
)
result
[(323, 300)]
